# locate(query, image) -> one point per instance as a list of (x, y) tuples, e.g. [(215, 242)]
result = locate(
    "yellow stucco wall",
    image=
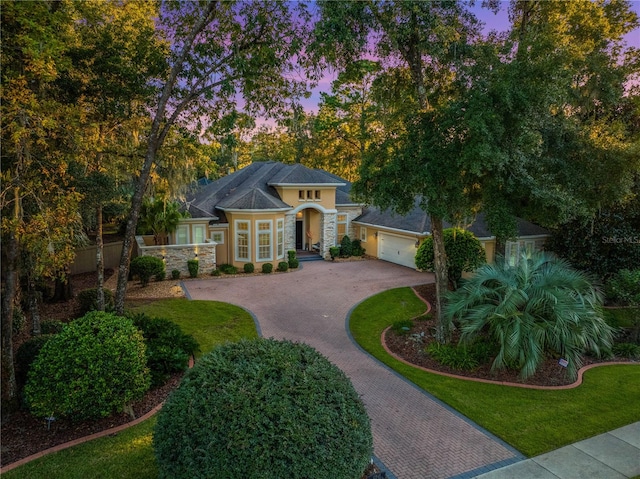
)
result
[(291, 196)]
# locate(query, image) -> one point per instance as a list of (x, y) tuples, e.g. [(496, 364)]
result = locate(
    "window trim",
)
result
[(346, 226), (187, 231), (279, 238), (195, 228), (237, 232), (213, 233), (363, 234), (259, 234)]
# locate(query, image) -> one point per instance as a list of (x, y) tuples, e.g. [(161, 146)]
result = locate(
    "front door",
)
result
[(299, 231)]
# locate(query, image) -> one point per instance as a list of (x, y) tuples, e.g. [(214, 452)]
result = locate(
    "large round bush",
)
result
[(263, 409), (464, 253), (93, 368)]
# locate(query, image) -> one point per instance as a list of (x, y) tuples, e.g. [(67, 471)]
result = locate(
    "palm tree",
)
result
[(539, 306), (159, 218)]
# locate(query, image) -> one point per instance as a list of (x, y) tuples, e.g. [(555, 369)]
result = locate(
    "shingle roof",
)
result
[(252, 188), (417, 221)]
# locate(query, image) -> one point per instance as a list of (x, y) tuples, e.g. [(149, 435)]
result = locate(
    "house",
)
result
[(260, 212)]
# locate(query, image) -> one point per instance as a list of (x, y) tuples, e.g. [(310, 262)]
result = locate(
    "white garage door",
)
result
[(397, 249)]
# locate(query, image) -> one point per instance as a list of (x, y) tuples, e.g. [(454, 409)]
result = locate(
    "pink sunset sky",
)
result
[(491, 22)]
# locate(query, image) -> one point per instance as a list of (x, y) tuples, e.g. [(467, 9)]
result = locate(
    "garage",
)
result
[(397, 249)]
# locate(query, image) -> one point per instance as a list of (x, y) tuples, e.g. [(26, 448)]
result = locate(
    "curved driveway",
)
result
[(414, 435)]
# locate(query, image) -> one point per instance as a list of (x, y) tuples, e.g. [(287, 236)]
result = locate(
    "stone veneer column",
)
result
[(289, 232), (328, 227)]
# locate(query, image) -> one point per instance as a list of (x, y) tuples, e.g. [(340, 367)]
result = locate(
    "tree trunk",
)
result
[(9, 387), (443, 330), (99, 259), (33, 300)]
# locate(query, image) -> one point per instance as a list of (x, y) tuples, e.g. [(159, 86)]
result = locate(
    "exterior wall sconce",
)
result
[(375, 234), (417, 243), (196, 255)]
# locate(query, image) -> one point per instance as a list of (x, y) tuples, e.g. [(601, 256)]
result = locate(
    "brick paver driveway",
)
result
[(415, 436)]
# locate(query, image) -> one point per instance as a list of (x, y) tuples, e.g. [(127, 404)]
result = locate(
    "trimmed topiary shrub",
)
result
[(88, 300), (464, 253), (294, 263), (345, 247), (291, 254), (168, 348), (334, 252), (96, 366), (192, 266), (175, 274), (263, 408), (283, 266), (146, 267), (26, 354), (228, 269), (356, 248), (249, 268), (267, 268)]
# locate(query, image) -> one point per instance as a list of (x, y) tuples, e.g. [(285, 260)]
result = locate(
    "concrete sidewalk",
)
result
[(613, 455)]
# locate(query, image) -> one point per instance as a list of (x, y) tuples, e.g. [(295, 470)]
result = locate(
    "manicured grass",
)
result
[(210, 322), (129, 455), (532, 421)]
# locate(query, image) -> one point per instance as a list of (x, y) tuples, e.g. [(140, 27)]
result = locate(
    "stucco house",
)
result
[(257, 214)]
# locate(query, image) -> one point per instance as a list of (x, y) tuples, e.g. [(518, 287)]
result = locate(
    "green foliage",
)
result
[(88, 300), (175, 274), (334, 252), (193, 266), (51, 326), (627, 350), (26, 354), (228, 268), (168, 348), (402, 327), (464, 253), (345, 247), (96, 366), (291, 254), (159, 218), (540, 306), (146, 267), (460, 357), (283, 266), (624, 288), (294, 263), (215, 272), (356, 248), (602, 245), (263, 408), (267, 268), (249, 268)]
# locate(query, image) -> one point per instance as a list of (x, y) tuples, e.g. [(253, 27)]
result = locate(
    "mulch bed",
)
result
[(410, 349)]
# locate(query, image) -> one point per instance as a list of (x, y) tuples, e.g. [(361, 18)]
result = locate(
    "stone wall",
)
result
[(176, 256)]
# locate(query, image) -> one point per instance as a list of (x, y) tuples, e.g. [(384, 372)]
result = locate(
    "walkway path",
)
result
[(415, 435)]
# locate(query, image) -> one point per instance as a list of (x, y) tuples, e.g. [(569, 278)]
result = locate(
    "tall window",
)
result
[(363, 234), (280, 237), (341, 227), (182, 234), (243, 240), (264, 252), (198, 234)]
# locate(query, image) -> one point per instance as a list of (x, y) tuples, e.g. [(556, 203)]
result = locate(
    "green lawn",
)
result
[(210, 322), (532, 421), (129, 454)]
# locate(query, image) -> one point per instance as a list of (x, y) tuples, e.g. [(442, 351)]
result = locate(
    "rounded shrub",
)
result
[(88, 299), (26, 354), (263, 408), (267, 268), (175, 274), (168, 348), (193, 266), (228, 268), (96, 366), (283, 266), (51, 326), (346, 248), (334, 252), (249, 268), (294, 263), (146, 267), (216, 272)]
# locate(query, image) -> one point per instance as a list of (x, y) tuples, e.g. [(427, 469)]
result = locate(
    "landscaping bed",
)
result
[(408, 347)]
